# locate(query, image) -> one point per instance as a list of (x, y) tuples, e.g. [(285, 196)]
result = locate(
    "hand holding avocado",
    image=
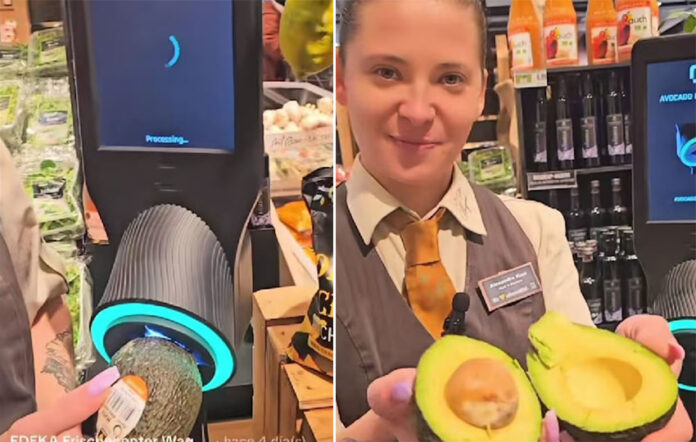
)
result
[(601, 374), (654, 334), (68, 412), (391, 398)]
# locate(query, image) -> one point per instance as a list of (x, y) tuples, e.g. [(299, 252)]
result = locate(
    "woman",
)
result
[(411, 230), (38, 391)]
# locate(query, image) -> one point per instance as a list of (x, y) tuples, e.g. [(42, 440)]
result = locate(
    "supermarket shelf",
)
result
[(594, 67), (603, 169), (539, 78), (566, 179)]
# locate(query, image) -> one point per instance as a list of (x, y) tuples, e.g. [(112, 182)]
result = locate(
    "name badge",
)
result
[(509, 286)]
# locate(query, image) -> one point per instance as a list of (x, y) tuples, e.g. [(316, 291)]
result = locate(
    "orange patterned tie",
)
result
[(429, 288)]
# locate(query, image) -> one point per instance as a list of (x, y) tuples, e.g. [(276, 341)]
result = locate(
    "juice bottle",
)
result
[(560, 33), (635, 21), (655, 8), (601, 32), (524, 36)]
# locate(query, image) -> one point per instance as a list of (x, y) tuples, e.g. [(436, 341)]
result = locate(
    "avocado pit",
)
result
[(483, 393)]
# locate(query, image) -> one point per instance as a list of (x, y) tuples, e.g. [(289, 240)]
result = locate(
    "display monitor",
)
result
[(663, 107), (671, 140), (163, 80)]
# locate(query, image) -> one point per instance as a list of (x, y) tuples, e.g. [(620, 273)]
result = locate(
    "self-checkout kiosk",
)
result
[(167, 98), (663, 75)]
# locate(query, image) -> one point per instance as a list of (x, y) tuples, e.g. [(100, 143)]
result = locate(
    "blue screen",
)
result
[(671, 101), (164, 73)]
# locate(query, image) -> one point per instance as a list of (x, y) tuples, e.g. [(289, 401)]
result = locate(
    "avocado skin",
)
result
[(174, 386), (630, 435), (425, 434)]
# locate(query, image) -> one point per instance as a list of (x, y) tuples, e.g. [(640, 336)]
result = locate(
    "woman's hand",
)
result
[(392, 412), (68, 412), (391, 398), (653, 332)]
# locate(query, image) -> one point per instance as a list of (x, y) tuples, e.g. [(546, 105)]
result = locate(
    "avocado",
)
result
[(602, 386), (173, 382), (468, 390)]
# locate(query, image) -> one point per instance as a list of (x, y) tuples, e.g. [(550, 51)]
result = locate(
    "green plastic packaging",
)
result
[(47, 55), (50, 178), (12, 115), (50, 114), (492, 167), (13, 60)]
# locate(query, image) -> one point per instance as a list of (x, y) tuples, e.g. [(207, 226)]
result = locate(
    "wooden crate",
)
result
[(273, 307), (317, 425), (277, 342), (305, 404)]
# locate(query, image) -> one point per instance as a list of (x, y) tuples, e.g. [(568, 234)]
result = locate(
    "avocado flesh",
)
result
[(437, 421), (601, 385), (174, 386)]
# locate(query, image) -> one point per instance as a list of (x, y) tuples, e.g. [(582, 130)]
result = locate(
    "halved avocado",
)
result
[(468, 390), (602, 386), (173, 383)]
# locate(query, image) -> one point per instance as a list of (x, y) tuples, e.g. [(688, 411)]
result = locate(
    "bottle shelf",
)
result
[(539, 78), (566, 179)]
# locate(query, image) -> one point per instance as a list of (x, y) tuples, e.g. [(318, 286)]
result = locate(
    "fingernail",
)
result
[(677, 350), (552, 428), (402, 392), (103, 381)]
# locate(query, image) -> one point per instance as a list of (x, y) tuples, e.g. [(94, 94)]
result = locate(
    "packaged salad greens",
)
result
[(50, 113), (50, 178), (79, 300), (492, 167), (66, 249), (11, 111), (47, 55), (13, 60)]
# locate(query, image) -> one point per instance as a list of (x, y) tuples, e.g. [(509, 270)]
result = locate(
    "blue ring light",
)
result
[(684, 326), (177, 51), (116, 314), (684, 150)]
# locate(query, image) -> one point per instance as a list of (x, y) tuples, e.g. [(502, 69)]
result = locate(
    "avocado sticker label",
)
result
[(509, 286), (122, 409)]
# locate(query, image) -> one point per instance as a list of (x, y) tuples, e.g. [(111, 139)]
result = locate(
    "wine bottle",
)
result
[(588, 123), (633, 279), (565, 149), (627, 120), (618, 214), (589, 284), (576, 218), (541, 155), (611, 278), (615, 124), (597, 214), (553, 199)]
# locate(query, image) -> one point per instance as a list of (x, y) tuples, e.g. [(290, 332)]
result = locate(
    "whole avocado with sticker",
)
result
[(174, 386)]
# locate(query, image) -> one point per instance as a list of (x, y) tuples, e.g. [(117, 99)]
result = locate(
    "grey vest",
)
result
[(376, 330), (17, 389)]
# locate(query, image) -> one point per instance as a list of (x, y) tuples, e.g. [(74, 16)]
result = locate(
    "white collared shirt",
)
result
[(369, 203)]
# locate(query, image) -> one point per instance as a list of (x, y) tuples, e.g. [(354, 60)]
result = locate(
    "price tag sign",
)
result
[(552, 180), (530, 79)]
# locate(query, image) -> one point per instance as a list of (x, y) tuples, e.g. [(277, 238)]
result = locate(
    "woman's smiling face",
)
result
[(413, 84)]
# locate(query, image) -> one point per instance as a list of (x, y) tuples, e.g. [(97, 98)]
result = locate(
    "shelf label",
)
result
[(564, 179), (529, 79)]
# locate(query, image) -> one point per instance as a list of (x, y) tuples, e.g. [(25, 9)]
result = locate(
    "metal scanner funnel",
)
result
[(170, 280)]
